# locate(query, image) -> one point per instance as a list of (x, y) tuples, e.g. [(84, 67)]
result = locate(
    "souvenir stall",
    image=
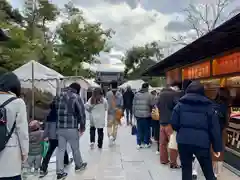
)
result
[(222, 72), (214, 60)]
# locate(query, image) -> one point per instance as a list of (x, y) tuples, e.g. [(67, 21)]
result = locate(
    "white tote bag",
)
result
[(173, 141)]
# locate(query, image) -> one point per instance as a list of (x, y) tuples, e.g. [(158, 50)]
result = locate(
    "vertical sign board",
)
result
[(173, 75), (197, 71), (226, 64)]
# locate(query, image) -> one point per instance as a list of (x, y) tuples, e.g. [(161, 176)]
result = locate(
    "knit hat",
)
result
[(34, 125)]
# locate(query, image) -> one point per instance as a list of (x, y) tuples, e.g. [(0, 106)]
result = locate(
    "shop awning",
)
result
[(224, 38)]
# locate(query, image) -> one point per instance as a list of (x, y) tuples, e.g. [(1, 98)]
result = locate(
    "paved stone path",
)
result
[(122, 162)]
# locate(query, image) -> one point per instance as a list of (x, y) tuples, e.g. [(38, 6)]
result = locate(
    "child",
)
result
[(35, 147), (97, 107)]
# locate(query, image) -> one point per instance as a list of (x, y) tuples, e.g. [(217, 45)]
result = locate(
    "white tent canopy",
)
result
[(134, 84), (92, 83), (45, 78), (41, 72)]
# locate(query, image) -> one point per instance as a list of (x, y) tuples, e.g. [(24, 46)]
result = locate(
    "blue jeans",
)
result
[(143, 130)]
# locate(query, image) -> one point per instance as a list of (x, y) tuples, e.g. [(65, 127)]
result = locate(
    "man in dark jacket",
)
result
[(168, 98), (50, 135), (71, 119), (197, 129), (127, 103)]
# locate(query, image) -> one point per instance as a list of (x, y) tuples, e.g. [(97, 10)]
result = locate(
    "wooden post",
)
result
[(33, 101)]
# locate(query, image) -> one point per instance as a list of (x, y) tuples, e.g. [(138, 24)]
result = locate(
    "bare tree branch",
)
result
[(204, 20), (180, 41), (221, 5)]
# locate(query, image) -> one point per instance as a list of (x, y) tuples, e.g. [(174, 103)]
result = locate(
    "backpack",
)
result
[(5, 135)]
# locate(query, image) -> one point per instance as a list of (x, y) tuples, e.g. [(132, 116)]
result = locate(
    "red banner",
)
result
[(197, 71), (226, 64)]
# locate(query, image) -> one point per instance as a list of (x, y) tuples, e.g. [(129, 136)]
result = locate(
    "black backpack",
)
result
[(5, 135)]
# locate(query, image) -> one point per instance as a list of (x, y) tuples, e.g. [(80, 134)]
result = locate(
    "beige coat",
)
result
[(11, 156)]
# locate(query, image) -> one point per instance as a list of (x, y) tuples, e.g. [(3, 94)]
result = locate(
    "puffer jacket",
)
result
[(143, 102), (35, 148), (196, 121)]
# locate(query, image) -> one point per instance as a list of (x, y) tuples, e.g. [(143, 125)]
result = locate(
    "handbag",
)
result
[(45, 146), (173, 141), (155, 114), (118, 112), (134, 128)]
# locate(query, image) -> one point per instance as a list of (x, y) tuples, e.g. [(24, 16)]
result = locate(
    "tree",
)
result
[(38, 15), (7, 13), (139, 58), (62, 48), (79, 41), (204, 18), (137, 55), (14, 51)]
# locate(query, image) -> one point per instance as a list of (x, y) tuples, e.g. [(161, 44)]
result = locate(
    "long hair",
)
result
[(96, 95), (9, 82)]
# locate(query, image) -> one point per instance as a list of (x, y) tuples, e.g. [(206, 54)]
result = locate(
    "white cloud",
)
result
[(132, 26)]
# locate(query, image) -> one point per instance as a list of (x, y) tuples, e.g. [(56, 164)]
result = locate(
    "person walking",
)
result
[(142, 107), (127, 104), (35, 147), (71, 119), (168, 98), (50, 135), (115, 111), (221, 106), (97, 107), (196, 135), (14, 142)]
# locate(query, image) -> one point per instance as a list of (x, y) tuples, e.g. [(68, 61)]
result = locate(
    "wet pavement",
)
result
[(121, 162)]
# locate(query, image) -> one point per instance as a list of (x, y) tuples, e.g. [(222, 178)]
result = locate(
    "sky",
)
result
[(137, 22)]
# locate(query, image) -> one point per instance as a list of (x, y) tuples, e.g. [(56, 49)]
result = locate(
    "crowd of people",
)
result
[(188, 124)]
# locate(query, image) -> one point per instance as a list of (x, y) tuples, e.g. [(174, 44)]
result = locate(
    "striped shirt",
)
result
[(70, 110)]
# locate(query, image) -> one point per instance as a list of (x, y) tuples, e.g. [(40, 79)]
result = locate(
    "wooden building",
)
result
[(214, 59)]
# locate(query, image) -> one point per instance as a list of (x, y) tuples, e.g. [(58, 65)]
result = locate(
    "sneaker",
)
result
[(157, 152), (139, 147), (172, 166), (43, 173), (62, 176), (147, 145), (81, 168), (92, 145)]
